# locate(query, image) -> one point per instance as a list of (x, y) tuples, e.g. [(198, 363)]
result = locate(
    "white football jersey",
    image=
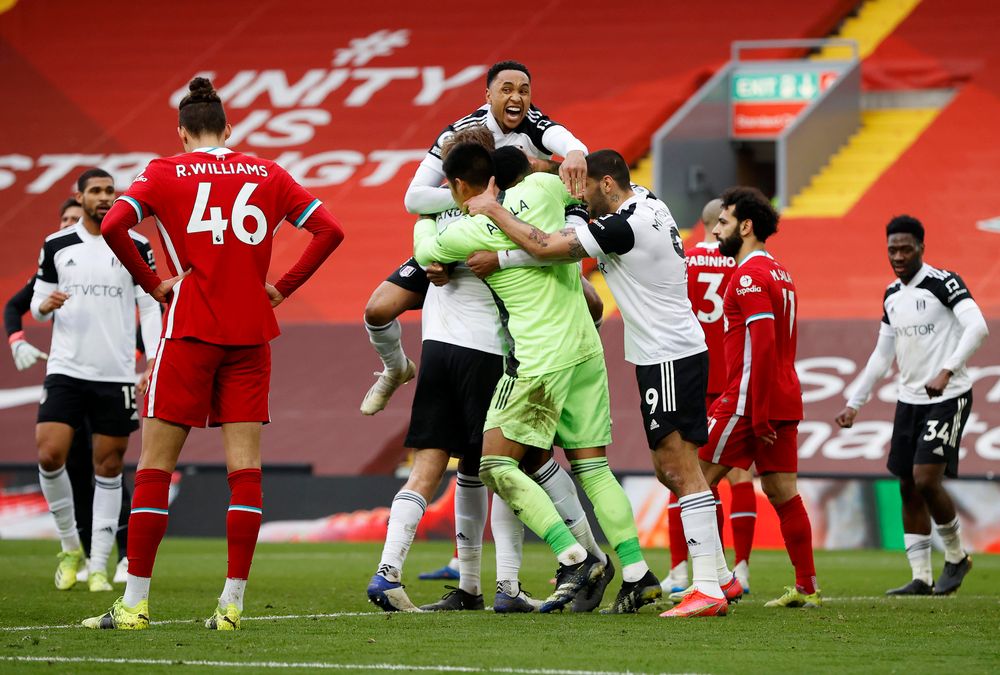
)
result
[(463, 312), (640, 253), (921, 317), (93, 336)]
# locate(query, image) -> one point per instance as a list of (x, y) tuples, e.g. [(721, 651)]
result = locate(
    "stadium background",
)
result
[(350, 99)]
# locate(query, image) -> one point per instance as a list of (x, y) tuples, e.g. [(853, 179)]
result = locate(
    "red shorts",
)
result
[(731, 442), (194, 382)]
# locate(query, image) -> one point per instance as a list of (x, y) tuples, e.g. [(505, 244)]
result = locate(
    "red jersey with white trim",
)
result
[(708, 278), (760, 307), (217, 211)]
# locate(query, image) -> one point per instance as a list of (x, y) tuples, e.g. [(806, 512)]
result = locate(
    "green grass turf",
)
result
[(858, 631)]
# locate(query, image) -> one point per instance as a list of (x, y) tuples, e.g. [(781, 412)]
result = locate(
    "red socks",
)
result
[(148, 521), (797, 533), (743, 519), (242, 521), (675, 529)]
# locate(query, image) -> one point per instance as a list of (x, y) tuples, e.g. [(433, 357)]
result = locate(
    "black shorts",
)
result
[(411, 277), (928, 434), (454, 389), (108, 407), (673, 399)]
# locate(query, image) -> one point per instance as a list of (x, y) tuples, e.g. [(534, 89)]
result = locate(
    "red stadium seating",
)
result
[(946, 178), (611, 82)]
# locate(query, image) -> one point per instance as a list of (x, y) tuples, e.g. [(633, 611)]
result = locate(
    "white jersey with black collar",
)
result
[(463, 311), (93, 336), (640, 253), (921, 317), (537, 135)]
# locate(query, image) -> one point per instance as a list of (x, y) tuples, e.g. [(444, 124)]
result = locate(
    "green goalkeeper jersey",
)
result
[(543, 311)]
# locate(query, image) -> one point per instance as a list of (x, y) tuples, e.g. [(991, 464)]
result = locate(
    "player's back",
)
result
[(762, 289), (216, 212), (708, 278)]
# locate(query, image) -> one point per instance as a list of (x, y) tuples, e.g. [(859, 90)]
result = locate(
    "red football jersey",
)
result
[(708, 279), (217, 211), (761, 290)]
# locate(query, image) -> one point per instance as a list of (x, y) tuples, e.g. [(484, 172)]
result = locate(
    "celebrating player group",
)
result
[(511, 366)]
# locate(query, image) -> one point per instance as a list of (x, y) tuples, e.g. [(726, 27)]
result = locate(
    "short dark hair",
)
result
[(510, 166), (601, 163), (905, 224), (501, 66), (751, 204), (201, 109), (81, 182), (471, 162), (68, 204)]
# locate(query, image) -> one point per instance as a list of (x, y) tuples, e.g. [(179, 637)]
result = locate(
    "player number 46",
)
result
[(217, 225)]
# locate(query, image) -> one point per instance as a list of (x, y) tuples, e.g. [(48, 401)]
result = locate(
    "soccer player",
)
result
[(217, 212), (639, 251), (708, 277), (90, 374), (931, 326), (513, 120), (79, 462), (756, 419), (460, 365), (554, 389)]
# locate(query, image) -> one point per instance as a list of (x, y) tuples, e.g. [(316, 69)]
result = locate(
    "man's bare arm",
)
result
[(561, 245)]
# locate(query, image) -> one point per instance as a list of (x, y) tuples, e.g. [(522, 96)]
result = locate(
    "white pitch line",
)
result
[(276, 617), (314, 665), (338, 615)]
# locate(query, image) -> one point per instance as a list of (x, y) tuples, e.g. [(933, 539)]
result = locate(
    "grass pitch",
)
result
[(307, 610)]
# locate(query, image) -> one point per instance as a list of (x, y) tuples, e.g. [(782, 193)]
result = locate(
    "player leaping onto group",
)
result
[(217, 212), (638, 247), (512, 118), (513, 121), (554, 390)]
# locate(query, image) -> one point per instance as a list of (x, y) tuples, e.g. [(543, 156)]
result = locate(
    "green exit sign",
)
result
[(776, 86)]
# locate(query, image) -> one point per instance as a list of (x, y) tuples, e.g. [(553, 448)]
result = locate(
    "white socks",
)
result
[(59, 494), (136, 590), (508, 535), (561, 489), (232, 593), (107, 508), (471, 506), (573, 555), (386, 340), (702, 533), (918, 552), (951, 537), (407, 509)]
